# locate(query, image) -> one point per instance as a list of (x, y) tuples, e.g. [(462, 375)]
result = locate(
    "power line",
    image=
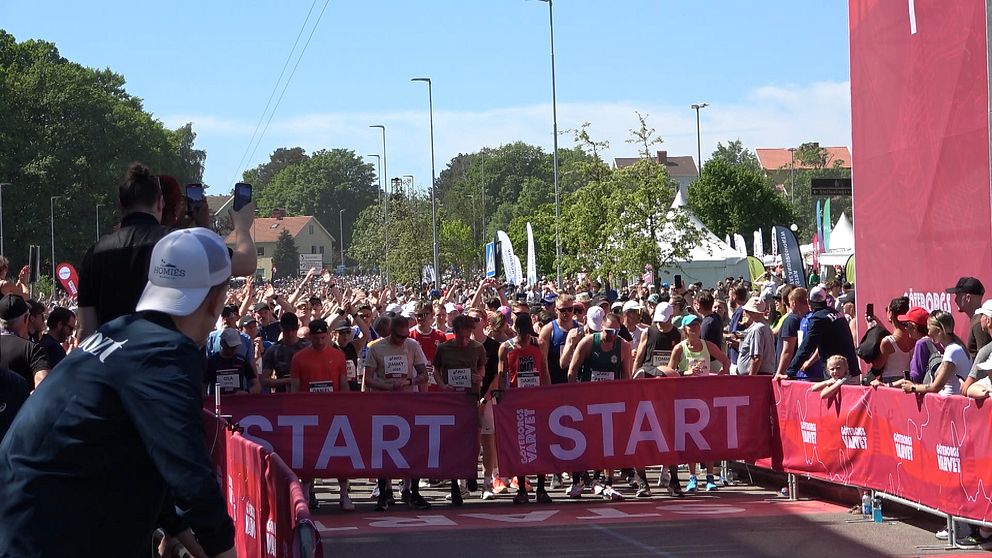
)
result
[(289, 79), (275, 87)]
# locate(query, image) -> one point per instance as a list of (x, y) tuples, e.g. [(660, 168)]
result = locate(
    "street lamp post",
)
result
[(2, 184), (52, 218), (341, 231), (792, 175), (98, 206), (699, 149), (430, 106), (385, 207), (554, 116)]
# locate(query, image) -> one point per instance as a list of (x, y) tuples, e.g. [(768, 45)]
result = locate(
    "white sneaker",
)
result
[(941, 535), (612, 495), (375, 493), (575, 491), (487, 493), (597, 487), (346, 503)]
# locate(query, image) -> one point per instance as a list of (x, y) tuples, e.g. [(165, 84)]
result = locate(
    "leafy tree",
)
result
[(261, 176), (321, 185), (736, 154), (735, 198), (813, 161), (285, 257), (644, 136), (409, 238), (457, 247)]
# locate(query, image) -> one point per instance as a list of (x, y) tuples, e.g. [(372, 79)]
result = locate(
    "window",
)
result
[(321, 250), (260, 250), (313, 249), (311, 229)]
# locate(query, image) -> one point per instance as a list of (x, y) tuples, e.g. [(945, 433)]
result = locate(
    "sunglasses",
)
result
[(422, 316), (566, 310)]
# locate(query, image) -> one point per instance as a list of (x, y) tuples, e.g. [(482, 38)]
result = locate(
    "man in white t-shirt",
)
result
[(757, 350)]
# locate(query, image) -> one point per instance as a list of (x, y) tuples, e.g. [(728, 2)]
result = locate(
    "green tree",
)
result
[(261, 176), (457, 247), (813, 161), (285, 257), (408, 247), (735, 198), (736, 154)]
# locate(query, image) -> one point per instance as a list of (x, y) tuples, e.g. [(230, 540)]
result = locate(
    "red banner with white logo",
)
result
[(361, 435), (633, 423), (247, 501), (287, 510), (68, 278), (928, 449)]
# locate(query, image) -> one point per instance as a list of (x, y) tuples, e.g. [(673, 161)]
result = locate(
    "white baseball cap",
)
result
[(594, 318), (185, 265), (663, 312), (394, 308), (450, 307), (631, 305), (409, 310), (985, 309)]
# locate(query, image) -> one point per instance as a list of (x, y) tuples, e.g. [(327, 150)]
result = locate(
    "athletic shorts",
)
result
[(486, 423)]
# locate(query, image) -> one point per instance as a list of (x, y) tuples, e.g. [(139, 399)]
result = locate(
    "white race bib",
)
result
[(528, 380), (460, 377), (660, 358), (396, 366), (431, 380), (602, 376), (352, 371), (322, 387), (229, 380), (698, 367)]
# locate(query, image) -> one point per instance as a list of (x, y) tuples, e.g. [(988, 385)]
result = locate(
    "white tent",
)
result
[(710, 259), (841, 244)]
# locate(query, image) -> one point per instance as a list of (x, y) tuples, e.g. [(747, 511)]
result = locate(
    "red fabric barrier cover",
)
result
[(633, 423), (286, 512), (247, 499), (928, 449), (332, 435)]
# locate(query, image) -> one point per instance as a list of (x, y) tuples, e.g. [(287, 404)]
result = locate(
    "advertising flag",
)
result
[(792, 258), (531, 257)]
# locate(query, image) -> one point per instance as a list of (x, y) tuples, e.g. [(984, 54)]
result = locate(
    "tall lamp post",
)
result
[(341, 231), (2, 184), (554, 158), (51, 215), (792, 175), (385, 208), (98, 206), (430, 106), (699, 149)]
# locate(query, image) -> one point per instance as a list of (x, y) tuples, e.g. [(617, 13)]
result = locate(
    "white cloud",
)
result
[(769, 116)]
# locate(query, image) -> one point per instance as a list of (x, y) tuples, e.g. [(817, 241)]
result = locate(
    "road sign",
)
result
[(830, 186), (491, 259), (308, 261)]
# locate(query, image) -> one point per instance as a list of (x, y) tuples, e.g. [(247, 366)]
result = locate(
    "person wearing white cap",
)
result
[(979, 370), (632, 329), (117, 424), (757, 350)]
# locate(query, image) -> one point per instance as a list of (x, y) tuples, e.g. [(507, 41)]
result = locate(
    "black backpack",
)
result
[(870, 347)]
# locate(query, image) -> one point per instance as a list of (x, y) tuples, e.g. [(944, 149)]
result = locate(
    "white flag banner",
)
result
[(739, 245), (759, 245), (518, 276), (427, 274), (774, 244), (531, 257), (506, 253)]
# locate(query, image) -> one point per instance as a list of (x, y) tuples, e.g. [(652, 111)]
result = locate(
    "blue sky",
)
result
[(775, 73)]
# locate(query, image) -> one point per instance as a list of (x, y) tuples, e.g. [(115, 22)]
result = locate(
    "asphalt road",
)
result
[(734, 521)]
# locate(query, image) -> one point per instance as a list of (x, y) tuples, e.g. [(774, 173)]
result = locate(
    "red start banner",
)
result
[(924, 448), (356, 435), (577, 427)]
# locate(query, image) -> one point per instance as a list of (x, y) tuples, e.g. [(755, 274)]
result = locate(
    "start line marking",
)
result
[(348, 524)]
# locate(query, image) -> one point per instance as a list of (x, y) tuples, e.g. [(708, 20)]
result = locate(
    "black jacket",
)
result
[(829, 332), (101, 445)]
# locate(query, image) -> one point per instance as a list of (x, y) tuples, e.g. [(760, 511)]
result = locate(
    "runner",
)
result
[(552, 338), (428, 337), (522, 365), (320, 368), (487, 427), (600, 357), (459, 365), (692, 357), (228, 370)]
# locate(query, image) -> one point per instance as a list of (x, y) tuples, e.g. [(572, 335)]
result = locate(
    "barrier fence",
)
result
[(927, 450), (264, 497)]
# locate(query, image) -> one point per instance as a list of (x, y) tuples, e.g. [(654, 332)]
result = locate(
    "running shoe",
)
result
[(419, 503), (346, 503), (499, 486), (643, 492), (487, 493), (598, 487), (691, 485), (556, 481), (514, 485), (941, 535), (710, 485), (543, 497), (382, 504), (675, 491), (724, 481), (457, 498), (521, 498), (612, 495), (375, 493), (575, 491)]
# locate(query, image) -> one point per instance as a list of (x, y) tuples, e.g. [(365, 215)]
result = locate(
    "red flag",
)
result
[(68, 278)]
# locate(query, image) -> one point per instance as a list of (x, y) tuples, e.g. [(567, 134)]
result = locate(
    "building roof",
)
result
[(214, 203), (677, 166), (773, 159), (268, 229)]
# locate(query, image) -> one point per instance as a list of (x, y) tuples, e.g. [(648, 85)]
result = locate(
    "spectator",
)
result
[(916, 323), (838, 374), (276, 362), (955, 364), (796, 302), (61, 326), (712, 325), (37, 313), (968, 294), (896, 350), (17, 353), (982, 358), (228, 369), (14, 391), (757, 349), (20, 287), (733, 342), (828, 335)]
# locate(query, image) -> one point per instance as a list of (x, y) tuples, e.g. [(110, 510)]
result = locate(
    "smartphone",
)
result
[(242, 195), (194, 198), (905, 375), (678, 281), (870, 310)]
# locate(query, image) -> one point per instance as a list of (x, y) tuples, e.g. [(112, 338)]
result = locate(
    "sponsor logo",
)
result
[(527, 435), (270, 538), (948, 459), (168, 270), (904, 446), (854, 437), (232, 502), (809, 432), (250, 528), (64, 273), (100, 346), (931, 301)]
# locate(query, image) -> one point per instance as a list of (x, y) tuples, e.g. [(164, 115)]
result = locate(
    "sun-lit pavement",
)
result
[(733, 521)]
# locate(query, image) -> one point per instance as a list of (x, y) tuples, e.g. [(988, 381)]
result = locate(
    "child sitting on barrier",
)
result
[(838, 372)]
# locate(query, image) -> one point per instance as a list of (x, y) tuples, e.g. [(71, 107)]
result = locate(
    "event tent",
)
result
[(841, 244), (710, 260)]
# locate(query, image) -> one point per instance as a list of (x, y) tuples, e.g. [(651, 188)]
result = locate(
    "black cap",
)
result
[(12, 307), (318, 326), (229, 310), (968, 285), (245, 320)]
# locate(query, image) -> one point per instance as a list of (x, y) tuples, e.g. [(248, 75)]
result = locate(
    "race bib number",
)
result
[(322, 387), (396, 366), (528, 380), (602, 376), (660, 358), (698, 367), (460, 377), (229, 380), (431, 380), (352, 369)]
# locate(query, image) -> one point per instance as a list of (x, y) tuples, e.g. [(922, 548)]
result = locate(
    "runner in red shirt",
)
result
[(428, 337), (522, 365)]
